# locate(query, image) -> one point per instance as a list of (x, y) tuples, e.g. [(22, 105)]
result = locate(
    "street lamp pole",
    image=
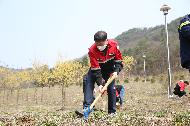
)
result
[(144, 56), (165, 9)]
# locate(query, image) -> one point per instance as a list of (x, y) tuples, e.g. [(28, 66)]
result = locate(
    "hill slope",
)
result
[(151, 42)]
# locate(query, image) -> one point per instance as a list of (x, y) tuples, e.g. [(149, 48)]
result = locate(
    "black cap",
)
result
[(186, 82)]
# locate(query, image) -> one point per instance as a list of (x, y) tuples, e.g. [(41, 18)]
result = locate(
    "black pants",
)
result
[(88, 89), (178, 92)]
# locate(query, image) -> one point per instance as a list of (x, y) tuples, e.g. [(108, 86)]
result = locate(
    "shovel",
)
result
[(80, 113)]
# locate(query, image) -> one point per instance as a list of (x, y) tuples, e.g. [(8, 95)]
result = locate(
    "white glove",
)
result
[(114, 74), (101, 89)]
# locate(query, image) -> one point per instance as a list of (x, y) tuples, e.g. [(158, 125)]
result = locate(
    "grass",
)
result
[(145, 104)]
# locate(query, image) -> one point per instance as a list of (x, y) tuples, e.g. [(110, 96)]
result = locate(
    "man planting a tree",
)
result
[(105, 60)]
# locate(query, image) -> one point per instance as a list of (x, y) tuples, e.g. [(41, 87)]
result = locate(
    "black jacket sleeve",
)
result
[(118, 66), (98, 76)]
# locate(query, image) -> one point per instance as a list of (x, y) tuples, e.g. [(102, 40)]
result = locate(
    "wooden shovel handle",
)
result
[(104, 88)]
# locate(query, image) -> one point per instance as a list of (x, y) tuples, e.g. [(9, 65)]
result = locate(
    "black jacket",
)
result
[(184, 36)]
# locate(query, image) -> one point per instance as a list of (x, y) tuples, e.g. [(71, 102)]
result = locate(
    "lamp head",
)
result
[(165, 8)]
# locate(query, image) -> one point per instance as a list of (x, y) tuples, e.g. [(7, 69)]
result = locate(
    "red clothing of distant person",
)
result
[(182, 85)]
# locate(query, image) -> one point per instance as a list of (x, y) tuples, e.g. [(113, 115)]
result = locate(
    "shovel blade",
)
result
[(79, 113)]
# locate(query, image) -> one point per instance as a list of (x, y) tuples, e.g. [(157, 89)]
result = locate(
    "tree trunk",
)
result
[(3, 95), (12, 92), (7, 95), (18, 90), (49, 94), (42, 94), (63, 96), (27, 96), (35, 95), (27, 90), (22, 92)]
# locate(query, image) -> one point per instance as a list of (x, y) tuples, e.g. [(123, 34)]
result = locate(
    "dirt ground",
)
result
[(145, 104)]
